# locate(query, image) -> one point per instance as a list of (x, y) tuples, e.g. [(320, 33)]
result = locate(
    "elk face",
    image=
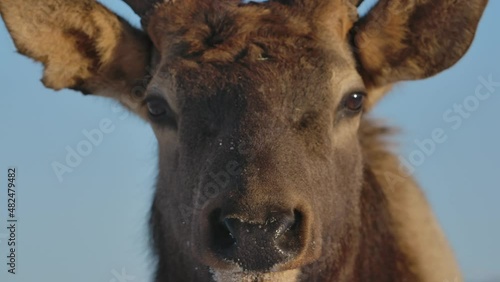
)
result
[(256, 116)]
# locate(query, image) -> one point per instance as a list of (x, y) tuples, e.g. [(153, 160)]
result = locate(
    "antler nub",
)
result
[(141, 7), (356, 3)]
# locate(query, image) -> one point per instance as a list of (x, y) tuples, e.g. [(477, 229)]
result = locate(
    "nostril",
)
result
[(283, 223), (288, 240), (230, 223), (221, 235), (297, 220)]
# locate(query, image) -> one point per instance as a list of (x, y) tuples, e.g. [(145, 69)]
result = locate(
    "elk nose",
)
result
[(257, 246)]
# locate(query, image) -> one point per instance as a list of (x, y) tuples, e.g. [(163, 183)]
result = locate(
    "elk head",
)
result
[(256, 108)]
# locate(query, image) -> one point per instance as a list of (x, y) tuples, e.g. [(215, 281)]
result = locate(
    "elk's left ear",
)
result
[(82, 45), (406, 40)]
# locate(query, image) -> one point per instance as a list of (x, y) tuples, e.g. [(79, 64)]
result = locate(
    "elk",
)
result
[(269, 169)]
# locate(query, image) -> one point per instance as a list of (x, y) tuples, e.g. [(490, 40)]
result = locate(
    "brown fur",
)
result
[(420, 38), (256, 144)]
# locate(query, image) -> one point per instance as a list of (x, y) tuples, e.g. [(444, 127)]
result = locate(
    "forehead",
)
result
[(233, 47), (217, 31)]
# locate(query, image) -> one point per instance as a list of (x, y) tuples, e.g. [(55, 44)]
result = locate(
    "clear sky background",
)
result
[(92, 226)]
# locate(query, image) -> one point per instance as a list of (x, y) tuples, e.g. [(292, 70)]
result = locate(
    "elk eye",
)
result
[(354, 101), (156, 108), (160, 111)]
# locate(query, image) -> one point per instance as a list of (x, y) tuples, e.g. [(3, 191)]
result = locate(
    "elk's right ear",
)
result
[(82, 45)]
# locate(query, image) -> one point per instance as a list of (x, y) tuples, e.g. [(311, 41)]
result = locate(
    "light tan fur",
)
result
[(286, 276), (82, 45), (419, 233)]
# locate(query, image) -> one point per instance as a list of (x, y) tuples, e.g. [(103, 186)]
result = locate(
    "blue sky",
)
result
[(92, 225)]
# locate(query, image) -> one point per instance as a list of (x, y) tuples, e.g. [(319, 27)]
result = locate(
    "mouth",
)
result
[(247, 276)]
